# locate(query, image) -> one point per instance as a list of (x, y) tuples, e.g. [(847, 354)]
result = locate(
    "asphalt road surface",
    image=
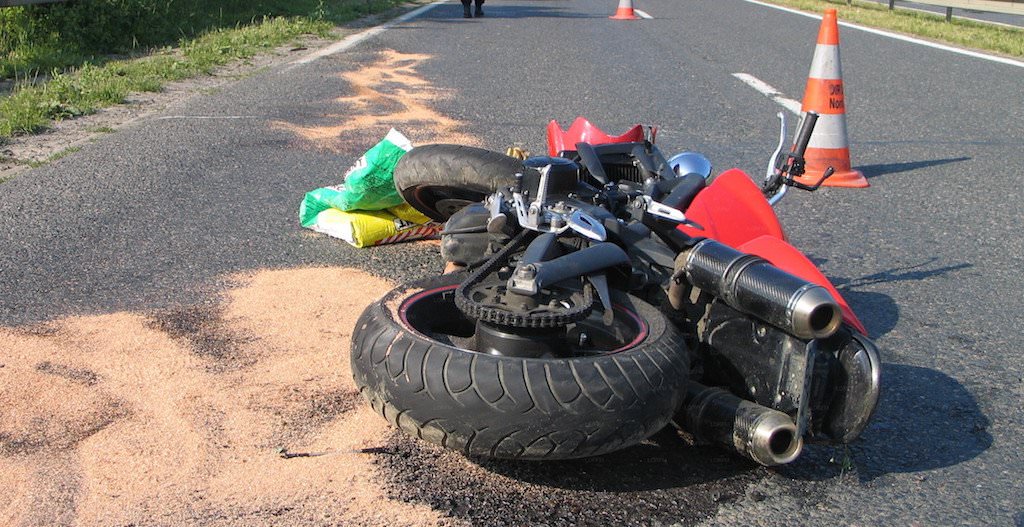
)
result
[(929, 256)]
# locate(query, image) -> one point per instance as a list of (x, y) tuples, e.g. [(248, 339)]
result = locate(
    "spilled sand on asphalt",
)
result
[(179, 417), (388, 92)]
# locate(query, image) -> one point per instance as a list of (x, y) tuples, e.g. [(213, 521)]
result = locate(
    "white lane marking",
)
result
[(831, 130), (643, 14), (904, 38), (356, 38), (768, 91)]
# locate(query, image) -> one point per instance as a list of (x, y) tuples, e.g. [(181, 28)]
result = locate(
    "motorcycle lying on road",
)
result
[(605, 292)]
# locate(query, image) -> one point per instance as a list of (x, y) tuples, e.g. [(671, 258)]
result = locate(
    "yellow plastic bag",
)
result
[(364, 228)]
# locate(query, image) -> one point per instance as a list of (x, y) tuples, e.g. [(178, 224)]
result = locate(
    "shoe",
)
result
[(479, 11), (465, 12)]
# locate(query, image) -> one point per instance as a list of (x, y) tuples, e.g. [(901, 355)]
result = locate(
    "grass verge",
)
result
[(41, 38), (82, 90), (99, 81), (966, 33)]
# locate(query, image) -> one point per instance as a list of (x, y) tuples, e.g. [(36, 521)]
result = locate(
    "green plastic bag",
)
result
[(369, 184)]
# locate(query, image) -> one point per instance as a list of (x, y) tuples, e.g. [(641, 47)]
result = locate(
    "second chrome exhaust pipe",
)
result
[(754, 286), (766, 436)]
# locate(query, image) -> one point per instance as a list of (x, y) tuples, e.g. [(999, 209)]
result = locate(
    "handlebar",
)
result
[(783, 171), (803, 137)]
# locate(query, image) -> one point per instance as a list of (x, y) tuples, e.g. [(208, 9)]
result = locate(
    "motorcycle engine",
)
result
[(465, 240), (562, 176)]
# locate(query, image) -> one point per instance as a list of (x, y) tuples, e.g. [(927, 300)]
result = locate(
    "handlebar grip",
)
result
[(804, 136)]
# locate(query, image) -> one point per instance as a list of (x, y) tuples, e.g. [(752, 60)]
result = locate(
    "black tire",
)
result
[(508, 407), (438, 180)]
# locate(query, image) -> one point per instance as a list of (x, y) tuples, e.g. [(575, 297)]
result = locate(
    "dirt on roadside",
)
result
[(388, 92), (238, 411), (242, 412)]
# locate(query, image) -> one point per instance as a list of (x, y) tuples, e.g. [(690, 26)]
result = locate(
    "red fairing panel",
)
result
[(582, 131), (733, 211)]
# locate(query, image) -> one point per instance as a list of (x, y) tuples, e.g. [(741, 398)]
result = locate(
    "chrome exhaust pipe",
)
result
[(766, 436), (754, 286)]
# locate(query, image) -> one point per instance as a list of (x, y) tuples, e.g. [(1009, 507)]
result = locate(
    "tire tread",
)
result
[(511, 407)]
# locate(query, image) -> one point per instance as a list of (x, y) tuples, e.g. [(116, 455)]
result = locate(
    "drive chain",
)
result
[(506, 317)]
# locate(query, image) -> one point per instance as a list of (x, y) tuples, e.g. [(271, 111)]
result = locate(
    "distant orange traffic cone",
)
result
[(625, 11), (829, 146)]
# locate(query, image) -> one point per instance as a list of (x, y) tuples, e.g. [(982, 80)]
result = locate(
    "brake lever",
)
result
[(811, 188), (587, 225)]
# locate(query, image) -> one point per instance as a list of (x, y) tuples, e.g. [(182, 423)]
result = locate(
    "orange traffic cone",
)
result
[(625, 11), (824, 94)]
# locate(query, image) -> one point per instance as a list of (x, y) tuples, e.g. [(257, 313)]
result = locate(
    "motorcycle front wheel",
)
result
[(412, 358), (439, 180)]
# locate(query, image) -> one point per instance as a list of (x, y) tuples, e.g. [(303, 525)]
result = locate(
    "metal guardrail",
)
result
[(989, 6), (12, 3)]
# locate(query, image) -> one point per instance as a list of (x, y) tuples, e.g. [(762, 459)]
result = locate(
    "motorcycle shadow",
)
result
[(929, 421), (925, 420), (663, 481), (664, 461), (878, 311)]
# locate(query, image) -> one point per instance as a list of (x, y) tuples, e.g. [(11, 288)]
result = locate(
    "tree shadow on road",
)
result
[(885, 169)]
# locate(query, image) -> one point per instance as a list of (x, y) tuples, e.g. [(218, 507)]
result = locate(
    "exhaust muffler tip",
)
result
[(762, 434), (773, 439), (814, 313)]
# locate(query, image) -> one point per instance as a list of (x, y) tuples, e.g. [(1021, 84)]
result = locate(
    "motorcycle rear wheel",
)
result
[(439, 180), (424, 383)]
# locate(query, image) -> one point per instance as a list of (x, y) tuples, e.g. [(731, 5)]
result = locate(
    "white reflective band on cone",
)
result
[(826, 64), (829, 132)]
